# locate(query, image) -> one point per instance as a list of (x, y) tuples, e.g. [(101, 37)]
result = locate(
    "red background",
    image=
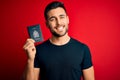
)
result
[(94, 22)]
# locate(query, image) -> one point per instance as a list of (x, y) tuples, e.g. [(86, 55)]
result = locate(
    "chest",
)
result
[(61, 58)]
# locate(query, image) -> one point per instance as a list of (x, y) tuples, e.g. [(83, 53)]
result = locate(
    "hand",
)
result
[(30, 49)]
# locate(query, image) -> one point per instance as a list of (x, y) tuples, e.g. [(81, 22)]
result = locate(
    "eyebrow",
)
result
[(62, 15), (51, 17), (55, 17)]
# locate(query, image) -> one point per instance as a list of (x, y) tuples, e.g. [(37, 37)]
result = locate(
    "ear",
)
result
[(47, 24), (68, 19)]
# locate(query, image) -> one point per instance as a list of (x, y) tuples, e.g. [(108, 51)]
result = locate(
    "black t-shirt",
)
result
[(64, 62)]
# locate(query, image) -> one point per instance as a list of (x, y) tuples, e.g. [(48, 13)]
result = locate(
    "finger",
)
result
[(31, 40), (29, 47), (28, 44)]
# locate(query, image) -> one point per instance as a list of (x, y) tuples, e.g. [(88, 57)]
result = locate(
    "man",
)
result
[(60, 57)]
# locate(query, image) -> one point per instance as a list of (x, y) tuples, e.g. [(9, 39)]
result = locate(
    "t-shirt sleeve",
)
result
[(36, 61), (87, 61)]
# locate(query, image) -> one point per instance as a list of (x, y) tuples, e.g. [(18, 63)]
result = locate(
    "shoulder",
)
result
[(43, 44), (78, 43)]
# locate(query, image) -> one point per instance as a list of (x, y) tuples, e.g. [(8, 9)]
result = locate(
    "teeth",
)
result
[(60, 28)]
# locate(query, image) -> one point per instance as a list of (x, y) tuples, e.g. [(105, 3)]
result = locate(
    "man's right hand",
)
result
[(30, 49)]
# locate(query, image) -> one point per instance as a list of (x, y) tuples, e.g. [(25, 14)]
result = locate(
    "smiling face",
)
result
[(57, 22)]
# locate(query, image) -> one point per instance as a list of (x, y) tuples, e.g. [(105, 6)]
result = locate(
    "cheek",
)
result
[(52, 24), (65, 22)]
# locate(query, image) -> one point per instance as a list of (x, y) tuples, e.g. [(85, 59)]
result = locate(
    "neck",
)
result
[(60, 40)]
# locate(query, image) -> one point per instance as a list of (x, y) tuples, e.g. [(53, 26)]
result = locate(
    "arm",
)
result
[(88, 74), (30, 73)]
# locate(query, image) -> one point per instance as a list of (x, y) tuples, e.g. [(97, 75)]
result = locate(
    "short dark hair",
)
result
[(53, 5)]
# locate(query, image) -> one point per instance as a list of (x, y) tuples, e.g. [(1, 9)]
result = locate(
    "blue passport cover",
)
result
[(35, 32)]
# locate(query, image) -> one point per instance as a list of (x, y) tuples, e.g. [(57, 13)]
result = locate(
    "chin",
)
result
[(59, 35)]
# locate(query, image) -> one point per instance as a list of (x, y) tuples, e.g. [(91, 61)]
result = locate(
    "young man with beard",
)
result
[(60, 57)]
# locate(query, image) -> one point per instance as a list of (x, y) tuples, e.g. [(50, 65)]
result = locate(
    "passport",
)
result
[(35, 32)]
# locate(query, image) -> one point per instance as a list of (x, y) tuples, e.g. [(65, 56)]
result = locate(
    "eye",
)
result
[(52, 19), (62, 17)]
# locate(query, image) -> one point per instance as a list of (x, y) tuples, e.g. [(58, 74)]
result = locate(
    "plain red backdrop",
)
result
[(94, 22)]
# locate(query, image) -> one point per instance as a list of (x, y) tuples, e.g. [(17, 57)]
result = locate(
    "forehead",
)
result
[(56, 11)]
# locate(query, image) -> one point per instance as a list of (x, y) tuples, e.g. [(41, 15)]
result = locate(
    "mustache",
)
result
[(60, 25)]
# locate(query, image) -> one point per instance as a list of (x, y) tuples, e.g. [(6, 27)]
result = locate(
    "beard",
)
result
[(58, 34)]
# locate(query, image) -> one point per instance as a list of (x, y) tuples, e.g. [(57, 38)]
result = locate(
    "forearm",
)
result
[(88, 74), (29, 70)]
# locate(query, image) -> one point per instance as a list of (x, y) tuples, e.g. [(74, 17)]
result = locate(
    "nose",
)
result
[(58, 21)]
